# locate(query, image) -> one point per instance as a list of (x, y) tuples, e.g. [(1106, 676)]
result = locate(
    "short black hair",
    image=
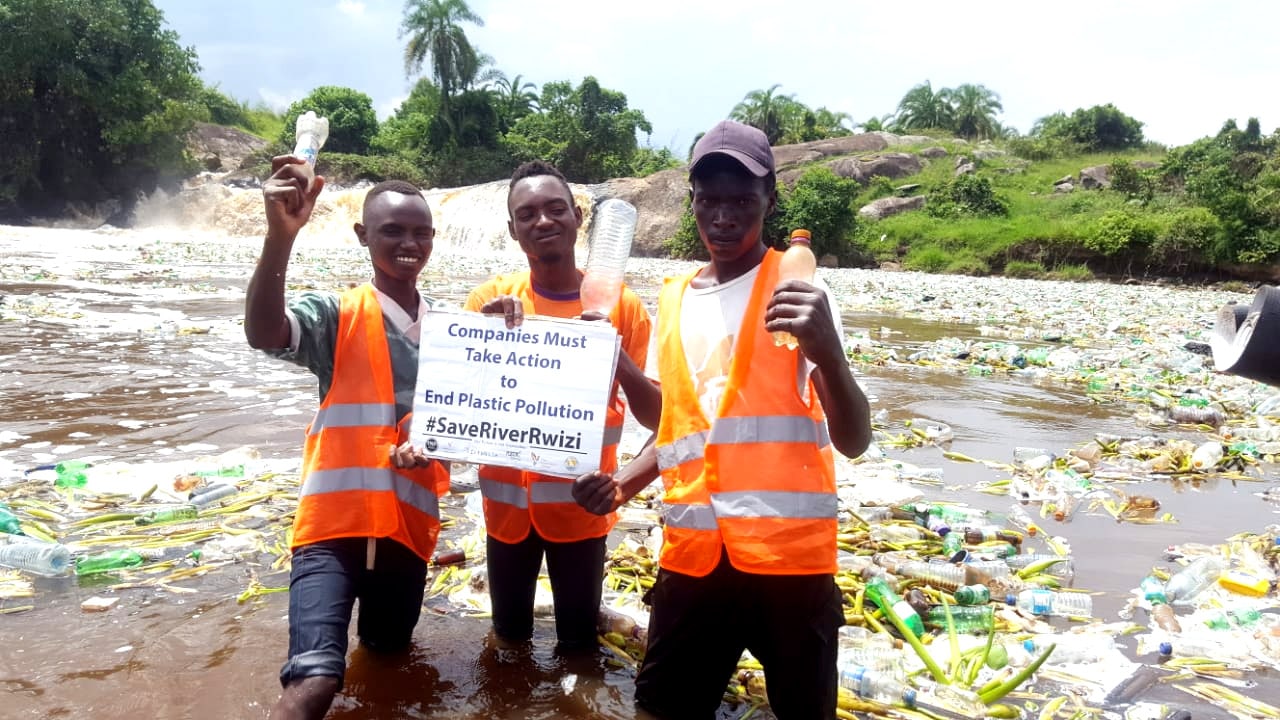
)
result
[(395, 186), (535, 168), (723, 163)]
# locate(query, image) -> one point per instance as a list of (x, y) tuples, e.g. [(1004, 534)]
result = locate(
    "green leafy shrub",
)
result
[(1099, 128), (1131, 181), (686, 244), (1119, 231), (1023, 269), (1031, 147), (964, 196), (821, 202), (966, 263), (223, 110), (927, 258), (1072, 273), (352, 121), (1187, 238)]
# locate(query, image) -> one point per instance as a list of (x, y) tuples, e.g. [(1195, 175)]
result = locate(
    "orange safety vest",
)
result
[(759, 480), (515, 500), (349, 486)]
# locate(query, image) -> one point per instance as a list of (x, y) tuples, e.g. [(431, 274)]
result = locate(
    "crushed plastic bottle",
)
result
[(859, 647), (1184, 585), (1062, 569)]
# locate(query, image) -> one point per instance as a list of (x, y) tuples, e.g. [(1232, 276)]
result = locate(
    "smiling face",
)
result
[(398, 230), (544, 219)]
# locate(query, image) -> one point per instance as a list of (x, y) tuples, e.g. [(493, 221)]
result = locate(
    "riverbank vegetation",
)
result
[(100, 98)]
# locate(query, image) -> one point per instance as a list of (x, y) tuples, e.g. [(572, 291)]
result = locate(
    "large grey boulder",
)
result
[(220, 147), (1097, 177), (884, 207), (659, 199)]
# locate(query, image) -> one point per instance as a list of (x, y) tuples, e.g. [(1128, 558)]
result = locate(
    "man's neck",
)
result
[(560, 277), (718, 273), (405, 294)]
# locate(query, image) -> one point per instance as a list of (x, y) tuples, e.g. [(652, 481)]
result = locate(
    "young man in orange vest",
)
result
[(744, 447), (368, 514), (528, 515)]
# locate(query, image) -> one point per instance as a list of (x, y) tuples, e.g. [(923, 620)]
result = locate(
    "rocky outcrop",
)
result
[(934, 152), (789, 156), (1097, 177), (659, 199), (219, 148), (889, 165), (884, 207)]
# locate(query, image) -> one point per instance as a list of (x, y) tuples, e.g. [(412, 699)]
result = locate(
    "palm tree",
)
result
[(922, 108), (435, 32), (515, 99), (833, 124), (974, 109), (763, 110)]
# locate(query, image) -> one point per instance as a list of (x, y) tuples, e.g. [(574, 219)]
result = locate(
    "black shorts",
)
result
[(576, 570), (326, 580), (700, 626)]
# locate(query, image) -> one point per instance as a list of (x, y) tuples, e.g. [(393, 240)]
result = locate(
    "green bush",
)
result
[(1023, 269), (1187, 238), (686, 244), (1120, 231), (927, 258), (964, 196), (822, 202), (1032, 147), (1127, 179), (966, 263), (223, 110), (1101, 127), (1072, 273), (352, 121)]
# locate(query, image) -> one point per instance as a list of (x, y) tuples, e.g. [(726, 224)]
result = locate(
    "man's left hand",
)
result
[(407, 457)]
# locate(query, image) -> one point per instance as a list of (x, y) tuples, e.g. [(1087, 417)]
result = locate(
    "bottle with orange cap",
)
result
[(798, 263)]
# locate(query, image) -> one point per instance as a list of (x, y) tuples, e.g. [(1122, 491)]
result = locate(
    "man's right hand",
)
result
[(508, 306), (597, 492), (290, 195)]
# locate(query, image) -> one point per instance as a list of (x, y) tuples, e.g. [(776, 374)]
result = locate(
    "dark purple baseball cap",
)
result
[(741, 142)]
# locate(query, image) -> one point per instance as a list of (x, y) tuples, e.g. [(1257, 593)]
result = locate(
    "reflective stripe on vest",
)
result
[(319, 482), (505, 493), (681, 450), (768, 429), (551, 492), (352, 415), (612, 436), (689, 517), (774, 504)]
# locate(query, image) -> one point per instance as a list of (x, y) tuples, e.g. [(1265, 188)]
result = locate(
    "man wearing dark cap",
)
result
[(745, 450)]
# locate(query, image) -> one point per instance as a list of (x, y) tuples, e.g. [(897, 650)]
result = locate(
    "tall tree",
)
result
[(765, 110), (922, 108), (514, 99), (435, 32), (973, 111)]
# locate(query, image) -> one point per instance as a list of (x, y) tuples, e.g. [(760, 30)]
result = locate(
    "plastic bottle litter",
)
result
[(972, 595), (71, 474), (1071, 647), (943, 576), (310, 133), (212, 494), (1207, 456), (1243, 582), (612, 230), (173, 514), (1039, 601), (34, 556), (798, 263), (873, 513), (970, 619), (897, 533), (879, 592), (233, 471), (1019, 518), (870, 684), (1162, 613), (1063, 569), (1184, 585), (858, 647), (108, 561), (990, 533), (9, 522), (952, 543)]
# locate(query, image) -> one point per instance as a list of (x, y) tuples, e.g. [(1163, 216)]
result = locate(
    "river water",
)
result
[(127, 344)]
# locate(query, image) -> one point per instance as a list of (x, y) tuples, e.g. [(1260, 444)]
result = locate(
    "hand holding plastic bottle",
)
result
[(291, 191)]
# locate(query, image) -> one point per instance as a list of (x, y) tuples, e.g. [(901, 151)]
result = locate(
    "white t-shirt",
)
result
[(709, 322)]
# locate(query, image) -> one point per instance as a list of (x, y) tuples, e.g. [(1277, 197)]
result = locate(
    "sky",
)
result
[(1182, 67)]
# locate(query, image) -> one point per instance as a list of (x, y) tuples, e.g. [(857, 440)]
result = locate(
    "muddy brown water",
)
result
[(97, 358)]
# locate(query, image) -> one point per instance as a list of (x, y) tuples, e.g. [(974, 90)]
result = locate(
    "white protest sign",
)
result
[(533, 397)]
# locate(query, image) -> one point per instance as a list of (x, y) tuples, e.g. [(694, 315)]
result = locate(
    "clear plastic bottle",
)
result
[(108, 561), (879, 592), (1039, 601), (1020, 519), (310, 133), (897, 533), (1071, 648), (34, 556), (869, 684), (979, 571), (859, 647), (1184, 585), (612, 230), (873, 513), (970, 619), (943, 576), (1064, 569), (172, 514), (950, 701), (798, 263)]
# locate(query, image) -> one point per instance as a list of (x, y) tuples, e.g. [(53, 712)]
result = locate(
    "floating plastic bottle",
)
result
[(1020, 519), (879, 592), (870, 684), (34, 556), (1243, 582), (108, 561), (1039, 601), (970, 619), (612, 230), (310, 132), (859, 647), (798, 263), (990, 533), (972, 595), (1071, 648), (1193, 579), (9, 522), (1207, 456), (950, 701), (173, 514), (71, 473), (1162, 613), (873, 513), (212, 494), (897, 533), (1063, 569), (943, 576)]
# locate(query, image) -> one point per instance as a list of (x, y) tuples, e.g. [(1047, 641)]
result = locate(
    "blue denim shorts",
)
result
[(326, 580)]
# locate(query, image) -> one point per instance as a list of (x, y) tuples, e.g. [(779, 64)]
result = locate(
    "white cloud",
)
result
[(354, 8)]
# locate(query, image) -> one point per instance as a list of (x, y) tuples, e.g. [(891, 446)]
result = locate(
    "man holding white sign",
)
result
[(530, 514)]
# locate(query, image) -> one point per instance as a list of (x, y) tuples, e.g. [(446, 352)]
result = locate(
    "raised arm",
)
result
[(289, 196)]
